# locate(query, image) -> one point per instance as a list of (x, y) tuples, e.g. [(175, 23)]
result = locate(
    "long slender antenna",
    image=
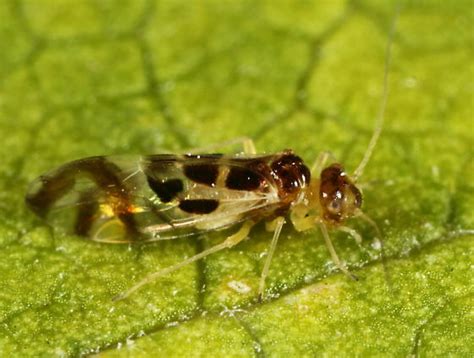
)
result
[(383, 104)]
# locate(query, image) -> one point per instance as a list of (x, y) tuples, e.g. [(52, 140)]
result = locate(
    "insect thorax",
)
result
[(291, 176)]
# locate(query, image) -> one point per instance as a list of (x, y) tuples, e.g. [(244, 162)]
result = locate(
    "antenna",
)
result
[(383, 104)]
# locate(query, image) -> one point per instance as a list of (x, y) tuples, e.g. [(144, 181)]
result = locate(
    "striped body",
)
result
[(156, 197)]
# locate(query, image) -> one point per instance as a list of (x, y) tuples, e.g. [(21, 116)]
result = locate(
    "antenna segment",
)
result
[(383, 104)]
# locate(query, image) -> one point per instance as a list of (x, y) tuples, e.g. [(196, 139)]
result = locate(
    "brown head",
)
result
[(339, 197)]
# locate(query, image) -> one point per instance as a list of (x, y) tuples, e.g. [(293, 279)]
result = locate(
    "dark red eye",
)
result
[(335, 205)]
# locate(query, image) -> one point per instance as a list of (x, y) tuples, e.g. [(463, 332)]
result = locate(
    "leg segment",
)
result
[(333, 253), (352, 233), (378, 241), (279, 222), (229, 242), (320, 161)]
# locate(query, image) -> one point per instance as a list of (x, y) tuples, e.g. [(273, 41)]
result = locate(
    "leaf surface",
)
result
[(92, 77)]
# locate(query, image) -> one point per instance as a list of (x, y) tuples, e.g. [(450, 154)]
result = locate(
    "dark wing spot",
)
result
[(202, 173), (199, 206), (48, 190), (242, 179), (86, 214), (166, 190)]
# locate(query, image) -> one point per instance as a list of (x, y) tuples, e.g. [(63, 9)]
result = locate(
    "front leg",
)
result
[(320, 162), (231, 241), (301, 219)]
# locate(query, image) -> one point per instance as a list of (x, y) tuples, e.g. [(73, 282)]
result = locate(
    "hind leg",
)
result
[(228, 243), (276, 226)]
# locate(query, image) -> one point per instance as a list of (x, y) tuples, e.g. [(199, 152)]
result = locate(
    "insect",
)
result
[(163, 197)]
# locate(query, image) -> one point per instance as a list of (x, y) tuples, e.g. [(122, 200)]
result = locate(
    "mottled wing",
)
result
[(122, 199)]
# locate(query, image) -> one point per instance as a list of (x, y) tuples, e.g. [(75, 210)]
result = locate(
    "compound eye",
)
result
[(335, 205)]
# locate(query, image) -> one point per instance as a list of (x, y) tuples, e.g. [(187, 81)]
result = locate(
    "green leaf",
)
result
[(86, 78)]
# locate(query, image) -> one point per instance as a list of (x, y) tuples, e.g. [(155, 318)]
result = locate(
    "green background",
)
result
[(82, 78)]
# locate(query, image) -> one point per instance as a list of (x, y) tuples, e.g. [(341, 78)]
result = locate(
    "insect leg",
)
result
[(248, 146), (278, 222), (301, 220), (378, 241), (229, 242), (320, 161), (333, 253), (352, 233)]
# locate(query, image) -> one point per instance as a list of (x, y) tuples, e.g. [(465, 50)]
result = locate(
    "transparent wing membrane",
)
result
[(157, 197)]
